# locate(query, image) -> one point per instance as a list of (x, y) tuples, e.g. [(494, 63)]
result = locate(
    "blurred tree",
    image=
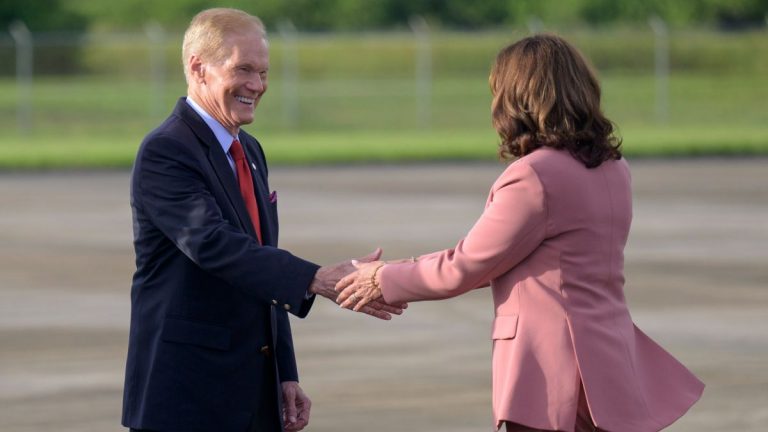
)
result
[(637, 11), (175, 14), (134, 14), (549, 11), (316, 15), (322, 15), (472, 15), (726, 13), (51, 55), (41, 15), (447, 13), (736, 14)]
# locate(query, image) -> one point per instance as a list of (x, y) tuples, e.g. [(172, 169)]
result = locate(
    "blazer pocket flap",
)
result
[(196, 333), (504, 327)]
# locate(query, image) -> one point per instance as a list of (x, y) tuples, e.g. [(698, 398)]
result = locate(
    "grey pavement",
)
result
[(697, 282)]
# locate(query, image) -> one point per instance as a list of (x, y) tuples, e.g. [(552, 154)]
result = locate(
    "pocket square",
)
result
[(273, 197)]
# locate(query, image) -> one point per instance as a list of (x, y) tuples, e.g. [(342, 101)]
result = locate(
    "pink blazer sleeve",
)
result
[(511, 227)]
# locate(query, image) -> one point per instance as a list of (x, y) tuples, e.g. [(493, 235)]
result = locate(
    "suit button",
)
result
[(265, 350), (287, 307)]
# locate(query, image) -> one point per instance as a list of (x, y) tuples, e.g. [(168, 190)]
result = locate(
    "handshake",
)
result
[(352, 285)]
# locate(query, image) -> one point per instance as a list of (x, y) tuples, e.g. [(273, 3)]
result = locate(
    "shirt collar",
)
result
[(221, 133)]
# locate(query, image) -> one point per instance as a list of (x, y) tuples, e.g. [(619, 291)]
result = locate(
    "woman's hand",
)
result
[(361, 287)]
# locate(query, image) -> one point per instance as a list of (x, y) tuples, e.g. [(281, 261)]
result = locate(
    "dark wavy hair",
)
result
[(545, 94)]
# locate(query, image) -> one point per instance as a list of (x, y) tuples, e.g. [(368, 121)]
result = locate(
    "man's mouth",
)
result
[(245, 100)]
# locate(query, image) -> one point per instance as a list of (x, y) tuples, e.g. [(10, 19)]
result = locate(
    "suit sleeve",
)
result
[(286, 358), (511, 227), (173, 189)]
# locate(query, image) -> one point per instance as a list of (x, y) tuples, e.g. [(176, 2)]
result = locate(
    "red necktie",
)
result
[(245, 182)]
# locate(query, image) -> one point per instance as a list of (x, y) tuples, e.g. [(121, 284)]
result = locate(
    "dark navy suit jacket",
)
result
[(210, 339)]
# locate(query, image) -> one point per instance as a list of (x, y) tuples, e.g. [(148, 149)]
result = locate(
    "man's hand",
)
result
[(296, 406), (326, 278)]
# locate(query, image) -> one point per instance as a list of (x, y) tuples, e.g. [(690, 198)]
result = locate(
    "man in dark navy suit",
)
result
[(210, 345)]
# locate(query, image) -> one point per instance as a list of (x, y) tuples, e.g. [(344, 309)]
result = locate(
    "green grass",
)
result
[(84, 106), (97, 123), (392, 146), (357, 100), (375, 146)]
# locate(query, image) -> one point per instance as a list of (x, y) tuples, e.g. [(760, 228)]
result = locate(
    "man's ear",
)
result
[(196, 69)]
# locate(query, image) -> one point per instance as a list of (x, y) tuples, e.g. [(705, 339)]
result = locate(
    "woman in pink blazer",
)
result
[(566, 354)]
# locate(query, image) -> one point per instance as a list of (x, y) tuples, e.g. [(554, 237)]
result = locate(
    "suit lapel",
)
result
[(262, 191), (219, 162)]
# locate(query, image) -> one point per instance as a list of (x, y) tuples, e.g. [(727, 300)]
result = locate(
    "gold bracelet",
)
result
[(373, 277)]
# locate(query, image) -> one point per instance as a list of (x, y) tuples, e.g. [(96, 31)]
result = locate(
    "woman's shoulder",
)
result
[(559, 162), (543, 162), (555, 168), (522, 170), (550, 158)]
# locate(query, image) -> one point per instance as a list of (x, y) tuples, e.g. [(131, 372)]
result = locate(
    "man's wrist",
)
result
[(317, 286)]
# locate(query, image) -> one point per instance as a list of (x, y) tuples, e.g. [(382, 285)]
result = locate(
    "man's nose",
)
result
[(256, 84)]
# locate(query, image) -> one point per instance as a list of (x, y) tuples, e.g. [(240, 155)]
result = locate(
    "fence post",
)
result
[(661, 62), (157, 68), (423, 71), (290, 74), (535, 25), (24, 69)]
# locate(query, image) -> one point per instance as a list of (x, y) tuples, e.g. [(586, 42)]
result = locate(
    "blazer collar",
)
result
[(223, 136), (219, 162), (195, 122), (260, 187)]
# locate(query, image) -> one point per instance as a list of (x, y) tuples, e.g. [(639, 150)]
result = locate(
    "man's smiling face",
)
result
[(230, 90)]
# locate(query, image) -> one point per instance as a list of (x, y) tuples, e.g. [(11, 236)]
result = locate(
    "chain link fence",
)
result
[(421, 79)]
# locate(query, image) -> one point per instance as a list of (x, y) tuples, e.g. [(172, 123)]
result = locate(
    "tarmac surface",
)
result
[(697, 282)]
